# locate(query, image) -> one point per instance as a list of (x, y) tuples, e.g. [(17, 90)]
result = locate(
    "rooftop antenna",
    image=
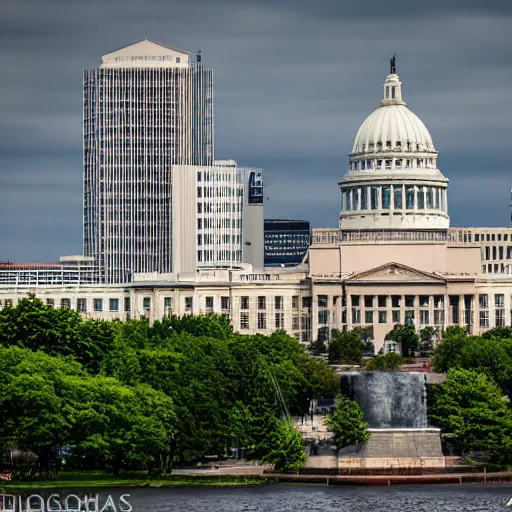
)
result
[(198, 56)]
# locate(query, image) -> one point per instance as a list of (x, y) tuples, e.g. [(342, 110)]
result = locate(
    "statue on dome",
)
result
[(392, 65)]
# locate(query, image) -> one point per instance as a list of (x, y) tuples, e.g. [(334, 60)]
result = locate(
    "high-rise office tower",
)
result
[(148, 107)]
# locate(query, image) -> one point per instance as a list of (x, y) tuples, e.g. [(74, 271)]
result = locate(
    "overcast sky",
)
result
[(294, 79)]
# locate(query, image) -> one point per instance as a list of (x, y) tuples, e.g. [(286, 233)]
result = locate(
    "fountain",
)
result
[(394, 405)]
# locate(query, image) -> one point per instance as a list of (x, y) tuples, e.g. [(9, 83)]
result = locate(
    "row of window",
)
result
[(395, 197), (497, 252), (145, 58), (392, 163), (397, 301), (262, 323), (382, 317), (398, 146)]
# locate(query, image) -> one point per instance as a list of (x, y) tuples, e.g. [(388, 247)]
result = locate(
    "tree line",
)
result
[(129, 395)]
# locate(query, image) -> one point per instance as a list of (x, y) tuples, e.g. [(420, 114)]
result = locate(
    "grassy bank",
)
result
[(75, 480)]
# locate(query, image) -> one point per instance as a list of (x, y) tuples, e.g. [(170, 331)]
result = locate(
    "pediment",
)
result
[(395, 272)]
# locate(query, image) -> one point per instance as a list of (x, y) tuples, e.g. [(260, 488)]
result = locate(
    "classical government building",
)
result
[(196, 247)]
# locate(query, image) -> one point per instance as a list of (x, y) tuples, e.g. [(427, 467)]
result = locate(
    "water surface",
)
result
[(284, 498)]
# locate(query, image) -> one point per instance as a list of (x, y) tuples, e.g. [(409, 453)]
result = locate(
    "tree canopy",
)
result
[(471, 407), (130, 395), (347, 424)]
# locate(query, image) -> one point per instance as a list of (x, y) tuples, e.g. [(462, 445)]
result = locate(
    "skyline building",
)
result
[(286, 242), (146, 108)]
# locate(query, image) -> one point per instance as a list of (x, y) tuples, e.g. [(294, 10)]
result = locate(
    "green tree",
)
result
[(447, 353), (284, 447), (406, 337), (498, 333), (347, 424), (345, 347), (317, 347), (471, 407), (385, 362)]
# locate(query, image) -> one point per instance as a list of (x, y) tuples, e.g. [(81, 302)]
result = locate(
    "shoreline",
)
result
[(238, 480)]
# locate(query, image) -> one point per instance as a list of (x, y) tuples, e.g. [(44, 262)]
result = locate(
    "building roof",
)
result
[(393, 121)]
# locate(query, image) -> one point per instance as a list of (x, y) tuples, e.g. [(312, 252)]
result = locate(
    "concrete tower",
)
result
[(148, 107)]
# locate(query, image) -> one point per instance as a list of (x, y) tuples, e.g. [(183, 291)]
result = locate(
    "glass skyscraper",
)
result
[(148, 107)]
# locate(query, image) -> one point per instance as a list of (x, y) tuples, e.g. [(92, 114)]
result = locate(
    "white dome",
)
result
[(393, 122)]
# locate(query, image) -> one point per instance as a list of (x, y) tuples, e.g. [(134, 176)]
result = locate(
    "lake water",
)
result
[(284, 498)]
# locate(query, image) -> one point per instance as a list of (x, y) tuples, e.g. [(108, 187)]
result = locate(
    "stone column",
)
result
[(349, 312)]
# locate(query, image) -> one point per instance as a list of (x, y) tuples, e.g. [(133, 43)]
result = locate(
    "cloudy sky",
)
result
[(294, 80)]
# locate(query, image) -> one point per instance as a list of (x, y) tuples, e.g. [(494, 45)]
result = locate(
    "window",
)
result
[(278, 302), (146, 303), (484, 319), (383, 317), (374, 196), (364, 198), (424, 317), (244, 302), (395, 317), (295, 323), (386, 198), (396, 300), (368, 301), (438, 302), (224, 303), (49, 302), (424, 301), (421, 199), (262, 302), (500, 317), (323, 317), (188, 303), (65, 303), (409, 317), (382, 301), (98, 304), (167, 303), (295, 302), (397, 193), (499, 300), (262, 320), (323, 301), (356, 300), (409, 197), (244, 320), (81, 305), (483, 301), (306, 302), (409, 301), (113, 304), (368, 317), (279, 320), (209, 303), (127, 304), (356, 316)]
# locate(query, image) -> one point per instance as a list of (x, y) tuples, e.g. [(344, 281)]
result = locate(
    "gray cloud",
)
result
[(294, 80)]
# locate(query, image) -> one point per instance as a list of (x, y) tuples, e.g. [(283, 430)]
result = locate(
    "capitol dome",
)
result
[(393, 182), (393, 124)]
